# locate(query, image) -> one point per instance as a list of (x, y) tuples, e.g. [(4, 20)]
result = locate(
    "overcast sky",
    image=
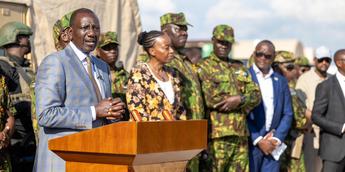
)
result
[(313, 22)]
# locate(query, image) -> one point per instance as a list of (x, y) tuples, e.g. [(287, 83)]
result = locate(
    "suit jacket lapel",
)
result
[(276, 87), (79, 69)]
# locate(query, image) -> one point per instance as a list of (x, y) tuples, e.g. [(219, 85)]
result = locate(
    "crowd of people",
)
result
[(275, 114)]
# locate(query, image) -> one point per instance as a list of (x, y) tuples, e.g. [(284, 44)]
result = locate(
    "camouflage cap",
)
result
[(107, 38), (302, 61), (224, 33), (65, 20), (174, 18), (59, 26), (284, 57)]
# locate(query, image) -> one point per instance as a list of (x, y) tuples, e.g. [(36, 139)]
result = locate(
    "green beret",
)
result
[(107, 38), (174, 18), (224, 33), (302, 61)]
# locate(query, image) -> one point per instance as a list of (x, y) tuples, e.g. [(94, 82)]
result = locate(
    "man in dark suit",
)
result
[(329, 114), (73, 90), (270, 121)]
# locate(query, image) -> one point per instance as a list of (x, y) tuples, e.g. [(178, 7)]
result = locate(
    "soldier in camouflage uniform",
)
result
[(61, 39), (108, 51), (15, 39), (284, 63), (230, 94), (302, 65), (7, 112), (60, 32), (175, 26)]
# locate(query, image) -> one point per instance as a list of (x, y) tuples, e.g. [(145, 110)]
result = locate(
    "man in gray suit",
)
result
[(73, 90), (329, 114)]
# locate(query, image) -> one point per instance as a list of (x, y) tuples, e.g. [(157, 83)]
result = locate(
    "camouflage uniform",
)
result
[(299, 122), (60, 26), (5, 104), (119, 76), (17, 70), (229, 133), (191, 88)]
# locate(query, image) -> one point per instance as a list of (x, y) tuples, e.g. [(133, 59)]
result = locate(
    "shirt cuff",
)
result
[(93, 112), (343, 130), (256, 141), (279, 142)]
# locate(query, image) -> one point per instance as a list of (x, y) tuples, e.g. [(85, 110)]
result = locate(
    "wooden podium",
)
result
[(133, 146)]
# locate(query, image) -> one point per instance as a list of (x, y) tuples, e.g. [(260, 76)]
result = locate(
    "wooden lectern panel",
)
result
[(138, 146)]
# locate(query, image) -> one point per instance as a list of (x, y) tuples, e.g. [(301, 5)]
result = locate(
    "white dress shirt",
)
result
[(341, 80), (82, 57), (267, 92)]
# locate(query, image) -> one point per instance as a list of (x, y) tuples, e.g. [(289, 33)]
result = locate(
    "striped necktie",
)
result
[(94, 83)]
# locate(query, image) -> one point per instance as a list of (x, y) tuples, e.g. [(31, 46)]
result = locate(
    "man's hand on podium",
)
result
[(110, 108)]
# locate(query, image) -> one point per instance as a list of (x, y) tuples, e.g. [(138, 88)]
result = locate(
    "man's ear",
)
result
[(65, 36), (69, 32)]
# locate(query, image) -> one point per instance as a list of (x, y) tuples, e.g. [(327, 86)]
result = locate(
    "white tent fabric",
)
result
[(121, 16)]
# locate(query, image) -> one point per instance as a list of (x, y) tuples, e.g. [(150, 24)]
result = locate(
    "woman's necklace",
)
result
[(162, 75)]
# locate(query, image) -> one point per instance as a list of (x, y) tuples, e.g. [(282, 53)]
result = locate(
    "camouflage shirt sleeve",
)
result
[(248, 88)]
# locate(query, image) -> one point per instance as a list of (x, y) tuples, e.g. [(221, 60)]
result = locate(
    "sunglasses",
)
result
[(326, 59), (289, 67), (109, 47), (261, 54)]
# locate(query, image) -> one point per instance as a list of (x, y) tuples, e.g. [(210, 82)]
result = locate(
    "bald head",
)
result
[(80, 11), (339, 54), (267, 43)]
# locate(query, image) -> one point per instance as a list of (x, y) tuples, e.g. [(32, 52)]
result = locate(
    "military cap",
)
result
[(65, 20), (174, 18), (284, 56), (107, 38), (59, 26), (302, 61), (224, 33), (9, 32)]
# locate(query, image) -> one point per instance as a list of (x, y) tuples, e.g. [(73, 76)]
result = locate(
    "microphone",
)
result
[(99, 77)]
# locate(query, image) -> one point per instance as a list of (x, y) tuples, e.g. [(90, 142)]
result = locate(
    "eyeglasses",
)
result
[(326, 59), (260, 54), (289, 67)]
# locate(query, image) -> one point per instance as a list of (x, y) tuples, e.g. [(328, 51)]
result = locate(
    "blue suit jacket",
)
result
[(64, 94), (283, 112)]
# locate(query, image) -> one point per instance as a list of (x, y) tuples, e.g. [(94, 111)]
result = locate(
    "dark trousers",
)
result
[(259, 162), (312, 160), (329, 166)]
